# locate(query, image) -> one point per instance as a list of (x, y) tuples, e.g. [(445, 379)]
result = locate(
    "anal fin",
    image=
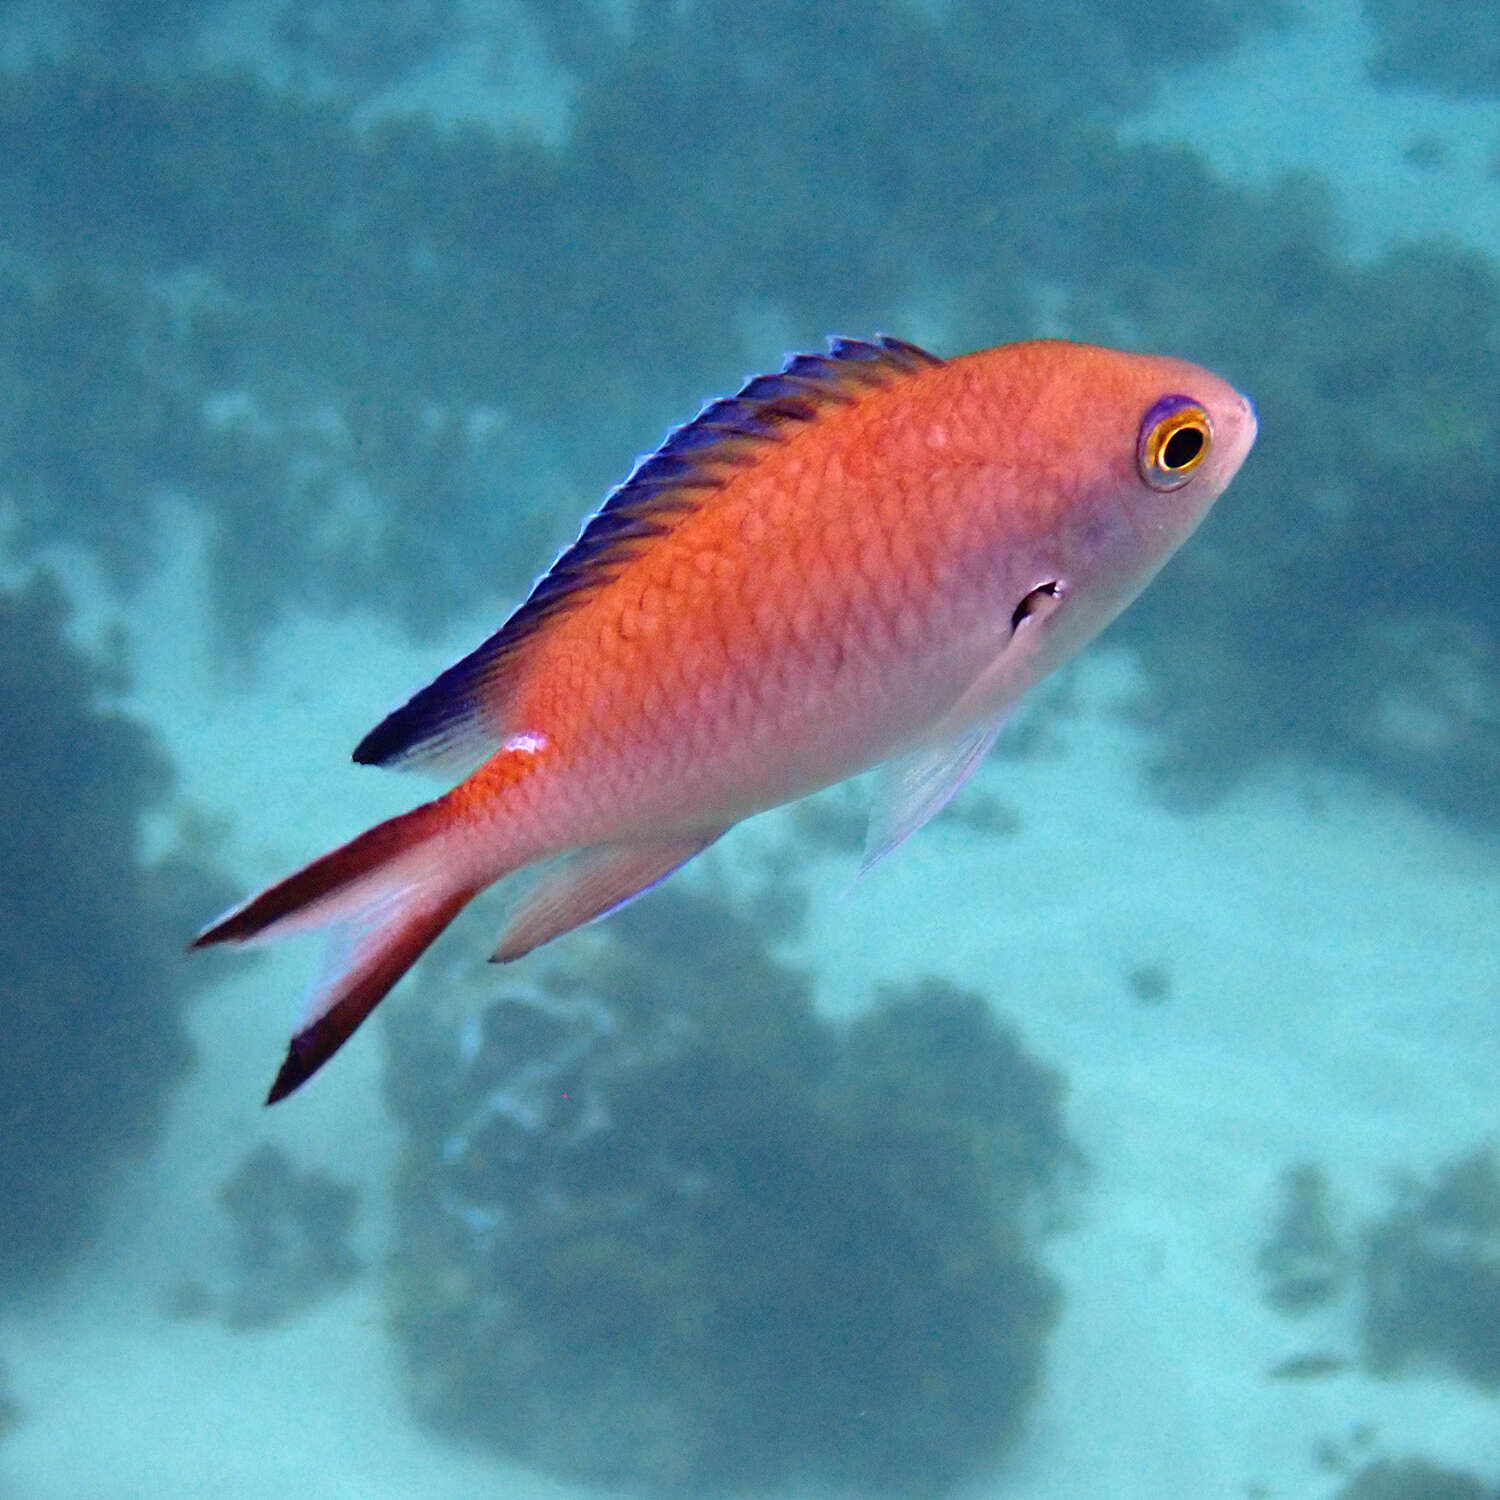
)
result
[(590, 883)]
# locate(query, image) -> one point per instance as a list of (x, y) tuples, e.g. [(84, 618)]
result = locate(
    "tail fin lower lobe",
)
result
[(383, 897), (357, 977)]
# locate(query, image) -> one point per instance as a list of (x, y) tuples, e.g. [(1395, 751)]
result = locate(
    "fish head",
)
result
[(1193, 430), (1121, 457)]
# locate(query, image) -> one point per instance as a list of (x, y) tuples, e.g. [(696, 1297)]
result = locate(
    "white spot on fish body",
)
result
[(527, 742)]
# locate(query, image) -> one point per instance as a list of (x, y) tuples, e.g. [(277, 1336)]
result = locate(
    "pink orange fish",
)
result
[(861, 560)]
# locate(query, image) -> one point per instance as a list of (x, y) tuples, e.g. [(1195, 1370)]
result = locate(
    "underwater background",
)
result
[(1132, 1132)]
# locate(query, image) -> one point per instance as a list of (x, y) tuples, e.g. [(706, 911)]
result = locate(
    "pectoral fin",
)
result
[(589, 884), (916, 787)]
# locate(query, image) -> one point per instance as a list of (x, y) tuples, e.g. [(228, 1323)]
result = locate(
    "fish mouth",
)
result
[(1250, 419), (1243, 426)]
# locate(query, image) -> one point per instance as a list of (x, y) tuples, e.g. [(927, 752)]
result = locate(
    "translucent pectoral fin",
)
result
[(591, 883), (916, 787)]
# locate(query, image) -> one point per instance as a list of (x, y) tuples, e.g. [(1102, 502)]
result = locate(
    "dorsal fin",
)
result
[(460, 717)]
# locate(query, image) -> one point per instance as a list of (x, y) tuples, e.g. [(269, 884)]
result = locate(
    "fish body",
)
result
[(861, 560)]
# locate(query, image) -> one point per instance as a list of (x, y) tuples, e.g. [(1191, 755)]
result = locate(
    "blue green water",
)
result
[(1134, 1128)]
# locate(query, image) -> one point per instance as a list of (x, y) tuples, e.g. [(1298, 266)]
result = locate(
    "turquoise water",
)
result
[(1133, 1128)]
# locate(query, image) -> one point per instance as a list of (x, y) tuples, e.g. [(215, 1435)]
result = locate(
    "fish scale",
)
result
[(861, 560)]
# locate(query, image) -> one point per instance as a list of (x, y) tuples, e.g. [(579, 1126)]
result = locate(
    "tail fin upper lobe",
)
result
[(384, 896)]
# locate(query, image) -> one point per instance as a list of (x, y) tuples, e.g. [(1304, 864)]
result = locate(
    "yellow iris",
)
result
[(1174, 446)]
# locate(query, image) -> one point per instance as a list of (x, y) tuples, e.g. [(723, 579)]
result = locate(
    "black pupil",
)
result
[(1182, 448)]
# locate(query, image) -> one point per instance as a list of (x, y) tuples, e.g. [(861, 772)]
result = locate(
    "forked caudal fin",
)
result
[(383, 897), (359, 973)]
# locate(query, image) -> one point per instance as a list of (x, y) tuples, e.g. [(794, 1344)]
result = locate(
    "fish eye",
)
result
[(1175, 438)]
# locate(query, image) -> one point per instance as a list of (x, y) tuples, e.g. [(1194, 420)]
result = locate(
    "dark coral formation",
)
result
[(90, 942), (256, 332), (1432, 1273), (1379, 397), (1453, 47), (670, 1230), (361, 46), (1413, 1479), (1426, 1275), (291, 1238), (1302, 1263)]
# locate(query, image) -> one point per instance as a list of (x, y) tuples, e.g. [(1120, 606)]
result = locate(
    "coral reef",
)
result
[(1454, 47), (667, 1229), (291, 1231), (1432, 1274), (1427, 1274), (92, 990), (1302, 1263), (1412, 1479), (1379, 390), (361, 45), (176, 320)]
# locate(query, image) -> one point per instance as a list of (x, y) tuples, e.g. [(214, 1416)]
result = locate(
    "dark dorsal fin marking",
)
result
[(459, 718)]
